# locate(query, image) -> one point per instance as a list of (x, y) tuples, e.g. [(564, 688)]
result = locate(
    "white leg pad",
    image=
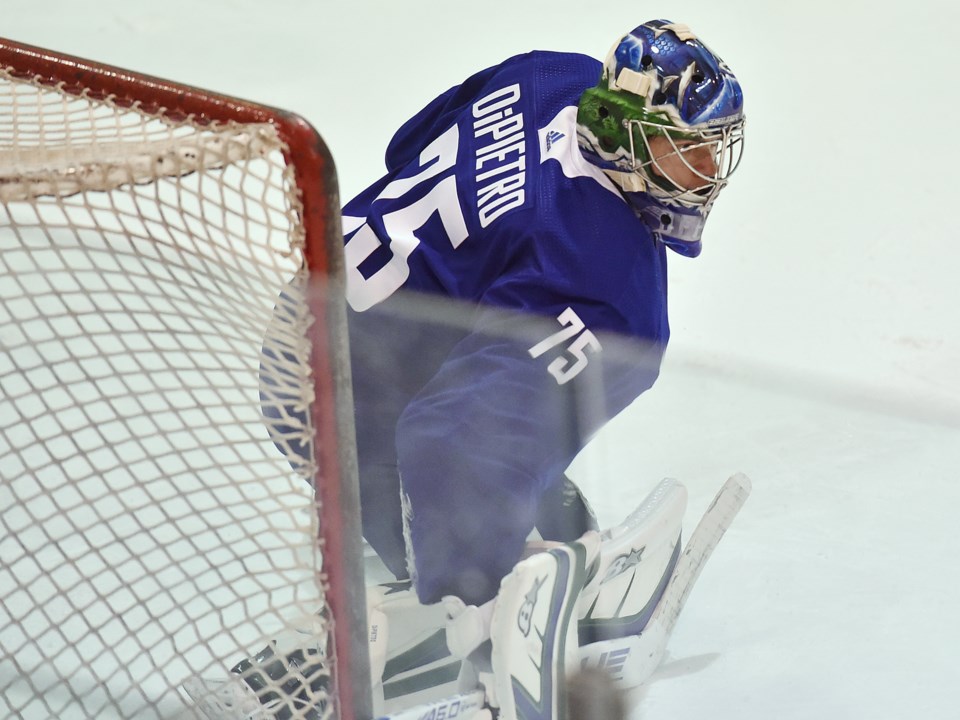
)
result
[(534, 633), (636, 558)]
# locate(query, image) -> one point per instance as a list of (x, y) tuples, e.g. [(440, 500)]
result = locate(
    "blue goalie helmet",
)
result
[(665, 120)]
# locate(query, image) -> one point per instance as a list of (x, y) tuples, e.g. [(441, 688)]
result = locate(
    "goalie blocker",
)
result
[(626, 588)]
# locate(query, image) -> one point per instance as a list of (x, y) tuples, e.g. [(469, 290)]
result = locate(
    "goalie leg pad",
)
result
[(532, 634), (631, 660), (410, 661), (637, 559)]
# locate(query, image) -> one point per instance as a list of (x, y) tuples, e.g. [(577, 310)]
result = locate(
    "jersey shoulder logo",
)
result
[(552, 137), (572, 162)]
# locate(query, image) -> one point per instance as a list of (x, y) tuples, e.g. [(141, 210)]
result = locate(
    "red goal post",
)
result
[(149, 230)]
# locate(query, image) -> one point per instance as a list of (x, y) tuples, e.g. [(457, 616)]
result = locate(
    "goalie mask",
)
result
[(665, 123)]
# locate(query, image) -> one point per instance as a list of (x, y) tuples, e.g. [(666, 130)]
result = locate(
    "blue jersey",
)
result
[(480, 406)]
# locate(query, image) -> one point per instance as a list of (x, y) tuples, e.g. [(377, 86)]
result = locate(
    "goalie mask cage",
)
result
[(155, 527)]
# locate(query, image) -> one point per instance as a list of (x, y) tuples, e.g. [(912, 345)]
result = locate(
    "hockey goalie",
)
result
[(538, 200)]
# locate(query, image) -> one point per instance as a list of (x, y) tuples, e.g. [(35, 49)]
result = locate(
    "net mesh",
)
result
[(153, 526)]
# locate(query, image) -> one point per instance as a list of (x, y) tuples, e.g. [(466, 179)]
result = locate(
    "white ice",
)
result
[(815, 347)]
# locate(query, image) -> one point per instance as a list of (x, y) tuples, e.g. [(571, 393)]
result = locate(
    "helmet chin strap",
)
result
[(677, 227)]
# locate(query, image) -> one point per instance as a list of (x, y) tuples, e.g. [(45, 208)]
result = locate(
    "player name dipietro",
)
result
[(501, 153)]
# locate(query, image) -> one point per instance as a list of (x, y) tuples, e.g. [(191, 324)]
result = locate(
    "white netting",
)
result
[(150, 528)]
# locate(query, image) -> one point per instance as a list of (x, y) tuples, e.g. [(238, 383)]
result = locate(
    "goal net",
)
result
[(155, 525)]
